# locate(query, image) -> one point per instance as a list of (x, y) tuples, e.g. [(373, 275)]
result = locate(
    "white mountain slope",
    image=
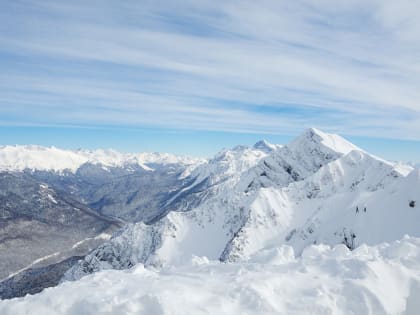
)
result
[(383, 215), (204, 230), (276, 201), (322, 208), (32, 157), (271, 214), (383, 279), (228, 165), (297, 160)]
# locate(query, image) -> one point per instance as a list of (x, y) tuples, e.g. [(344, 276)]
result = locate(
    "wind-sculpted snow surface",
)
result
[(383, 279)]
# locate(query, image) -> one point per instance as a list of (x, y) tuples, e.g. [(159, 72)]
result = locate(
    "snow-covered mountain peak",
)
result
[(284, 209), (228, 163), (313, 137), (266, 146), (297, 160), (21, 157), (319, 188), (34, 157)]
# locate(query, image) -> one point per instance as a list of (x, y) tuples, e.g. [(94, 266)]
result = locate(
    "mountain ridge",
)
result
[(232, 221), (34, 157), (237, 204)]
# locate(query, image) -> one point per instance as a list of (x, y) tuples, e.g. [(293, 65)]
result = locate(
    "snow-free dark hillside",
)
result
[(39, 223), (303, 193), (129, 186), (35, 279), (132, 194)]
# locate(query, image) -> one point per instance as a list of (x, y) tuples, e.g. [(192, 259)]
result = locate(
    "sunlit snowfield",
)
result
[(383, 279)]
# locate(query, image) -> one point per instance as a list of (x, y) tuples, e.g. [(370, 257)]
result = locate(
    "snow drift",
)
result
[(383, 279)]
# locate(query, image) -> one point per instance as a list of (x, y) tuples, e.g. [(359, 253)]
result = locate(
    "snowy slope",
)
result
[(322, 208), (227, 166), (19, 158), (253, 201), (383, 279), (272, 213), (297, 160), (384, 213), (214, 177), (204, 222), (314, 139)]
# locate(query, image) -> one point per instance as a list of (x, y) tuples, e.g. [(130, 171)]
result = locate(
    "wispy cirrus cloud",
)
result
[(238, 66)]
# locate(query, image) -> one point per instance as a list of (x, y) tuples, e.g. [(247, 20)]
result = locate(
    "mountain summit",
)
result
[(313, 138), (266, 146), (314, 189), (234, 207)]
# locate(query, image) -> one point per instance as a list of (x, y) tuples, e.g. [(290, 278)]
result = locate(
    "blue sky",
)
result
[(196, 76)]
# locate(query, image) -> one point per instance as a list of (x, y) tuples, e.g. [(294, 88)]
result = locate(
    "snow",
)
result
[(228, 164), (32, 157), (321, 208), (314, 136), (266, 146), (205, 230), (283, 218), (381, 279), (300, 194)]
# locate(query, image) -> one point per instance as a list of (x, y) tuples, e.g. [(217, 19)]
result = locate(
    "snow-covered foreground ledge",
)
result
[(383, 279)]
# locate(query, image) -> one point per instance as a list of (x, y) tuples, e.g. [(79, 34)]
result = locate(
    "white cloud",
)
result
[(212, 65)]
